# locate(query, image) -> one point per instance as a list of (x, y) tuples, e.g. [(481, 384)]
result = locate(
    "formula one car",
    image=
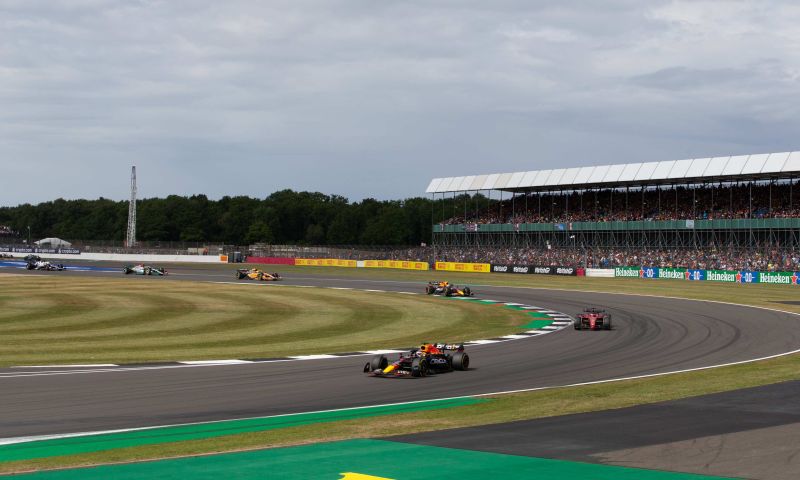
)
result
[(428, 359), (46, 266), (447, 289), (144, 270), (5, 255), (256, 274), (592, 319)]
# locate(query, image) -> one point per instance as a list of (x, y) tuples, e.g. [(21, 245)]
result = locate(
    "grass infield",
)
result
[(58, 320)]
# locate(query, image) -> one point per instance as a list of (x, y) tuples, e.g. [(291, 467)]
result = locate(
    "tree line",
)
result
[(285, 217)]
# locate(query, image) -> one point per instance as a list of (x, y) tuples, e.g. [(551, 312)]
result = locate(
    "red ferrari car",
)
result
[(593, 319)]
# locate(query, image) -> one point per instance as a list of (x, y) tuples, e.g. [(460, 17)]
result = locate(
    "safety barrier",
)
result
[(271, 260), (396, 264), (464, 267), (600, 272), (730, 276), (325, 262)]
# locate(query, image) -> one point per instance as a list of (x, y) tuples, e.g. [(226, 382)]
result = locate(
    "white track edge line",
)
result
[(11, 441)]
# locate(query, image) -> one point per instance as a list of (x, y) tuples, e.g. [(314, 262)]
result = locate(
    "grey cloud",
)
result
[(680, 78), (365, 98)]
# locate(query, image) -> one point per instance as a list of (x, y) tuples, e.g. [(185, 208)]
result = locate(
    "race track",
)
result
[(651, 335)]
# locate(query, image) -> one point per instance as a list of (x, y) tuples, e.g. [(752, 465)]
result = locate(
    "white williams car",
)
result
[(46, 266), (144, 270)]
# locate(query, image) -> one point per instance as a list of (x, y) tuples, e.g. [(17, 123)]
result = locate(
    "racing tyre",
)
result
[(419, 367), (578, 325), (379, 362), (460, 361), (467, 292), (29, 266), (607, 326), (239, 275), (429, 290)]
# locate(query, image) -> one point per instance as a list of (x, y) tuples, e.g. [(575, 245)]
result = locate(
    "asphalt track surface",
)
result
[(651, 335), (748, 433)]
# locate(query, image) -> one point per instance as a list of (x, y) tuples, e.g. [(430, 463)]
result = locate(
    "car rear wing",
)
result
[(450, 346)]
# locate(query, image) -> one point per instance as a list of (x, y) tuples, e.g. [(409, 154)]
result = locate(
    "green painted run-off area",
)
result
[(179, 433), (362, 460)]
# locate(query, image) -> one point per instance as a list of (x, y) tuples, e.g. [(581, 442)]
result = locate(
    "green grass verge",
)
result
[(58, 320)]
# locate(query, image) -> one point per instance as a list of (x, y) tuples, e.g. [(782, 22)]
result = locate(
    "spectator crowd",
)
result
[(765, 259), (712, 258), (681, 203)]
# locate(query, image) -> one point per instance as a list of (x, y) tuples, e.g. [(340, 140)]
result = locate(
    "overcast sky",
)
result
[(373, 98)]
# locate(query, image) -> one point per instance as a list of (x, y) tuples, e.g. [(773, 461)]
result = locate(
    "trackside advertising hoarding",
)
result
[(534, 269), (630, 272), (325, 262), (786, 278), (464, 267), (696, 275), (721, 276), (396, 264), (62, 251), (672, 273), (728, 276)]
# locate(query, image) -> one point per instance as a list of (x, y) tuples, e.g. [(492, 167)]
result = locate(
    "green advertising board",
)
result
[(626, 272), (674, 273), (721, 276), (776, 277)]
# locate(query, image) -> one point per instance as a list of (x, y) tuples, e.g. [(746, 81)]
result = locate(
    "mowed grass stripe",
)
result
[(340, 317), (133, 311), (27, 309), (60, 320), (170, 315)]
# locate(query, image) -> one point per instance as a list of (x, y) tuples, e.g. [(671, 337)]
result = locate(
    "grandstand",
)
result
[(663, 212)]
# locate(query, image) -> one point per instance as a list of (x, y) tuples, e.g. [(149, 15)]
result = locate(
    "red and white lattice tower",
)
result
[(130, 240)]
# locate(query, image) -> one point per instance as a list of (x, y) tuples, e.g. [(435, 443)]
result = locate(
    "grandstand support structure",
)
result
[(745, 202), (130, 238)]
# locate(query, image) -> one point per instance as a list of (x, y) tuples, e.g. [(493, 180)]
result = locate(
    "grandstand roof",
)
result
[(741, 167)]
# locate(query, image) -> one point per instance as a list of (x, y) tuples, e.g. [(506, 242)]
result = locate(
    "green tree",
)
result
[(259, 232)]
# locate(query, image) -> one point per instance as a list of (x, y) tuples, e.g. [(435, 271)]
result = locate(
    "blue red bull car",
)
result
[(429, 358), (447, 289)]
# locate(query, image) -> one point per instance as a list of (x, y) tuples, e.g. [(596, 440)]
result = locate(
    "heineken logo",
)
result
[(776, 277), (721, 276), (626, 272), (670, 273)]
